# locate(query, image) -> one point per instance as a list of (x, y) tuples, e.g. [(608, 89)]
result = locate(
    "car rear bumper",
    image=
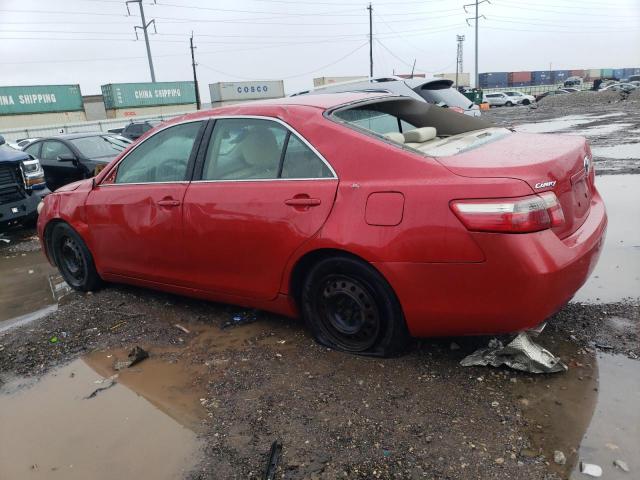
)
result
[(525, 279)]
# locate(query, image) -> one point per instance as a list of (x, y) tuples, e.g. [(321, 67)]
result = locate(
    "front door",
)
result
[(58, 164), (263, 192), (135, 215)]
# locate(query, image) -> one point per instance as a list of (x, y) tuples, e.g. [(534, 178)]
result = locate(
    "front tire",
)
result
[(73, 258), (509, 104), (349, 306)]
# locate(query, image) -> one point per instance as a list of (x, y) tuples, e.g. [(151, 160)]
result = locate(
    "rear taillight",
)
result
[(510, 215)]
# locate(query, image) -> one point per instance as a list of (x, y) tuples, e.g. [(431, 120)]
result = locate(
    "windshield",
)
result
[(99, 146), (443, 94)]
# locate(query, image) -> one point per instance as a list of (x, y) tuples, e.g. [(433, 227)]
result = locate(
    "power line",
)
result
[(144, 27)]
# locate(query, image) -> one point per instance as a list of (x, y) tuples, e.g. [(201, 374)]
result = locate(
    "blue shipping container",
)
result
[(559, 76), (494, 80), (618, 73), (520, 84), (541, 77)]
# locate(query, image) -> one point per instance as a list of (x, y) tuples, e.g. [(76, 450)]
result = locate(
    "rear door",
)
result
[(135, 214), (262, 193)]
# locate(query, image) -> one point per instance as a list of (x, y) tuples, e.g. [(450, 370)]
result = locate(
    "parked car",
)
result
[(437, 91), (620, 87), (569, 90), (573, 82), (374, 217), (21, 186), (136, 129), (74, 156), (21, 143), (499, 99), (520, 98), (551, 93)]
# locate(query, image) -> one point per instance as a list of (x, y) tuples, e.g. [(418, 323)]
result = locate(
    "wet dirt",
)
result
[(51, 430), (614, 431), (617, 275)]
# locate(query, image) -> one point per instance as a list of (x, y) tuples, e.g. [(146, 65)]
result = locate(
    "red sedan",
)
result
[(373, 217)]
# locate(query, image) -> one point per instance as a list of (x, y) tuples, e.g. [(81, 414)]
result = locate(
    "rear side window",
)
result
[(257, 149), (301, 162), (163, 157)]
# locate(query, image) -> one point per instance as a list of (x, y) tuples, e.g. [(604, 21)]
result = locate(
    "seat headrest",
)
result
[(420, 135), (395, 137)]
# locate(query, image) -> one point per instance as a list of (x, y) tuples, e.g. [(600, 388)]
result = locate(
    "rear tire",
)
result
[(526, 101), (349, 306), (73, 258)]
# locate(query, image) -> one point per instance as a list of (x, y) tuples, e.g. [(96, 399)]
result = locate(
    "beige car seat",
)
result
[(415, 138)]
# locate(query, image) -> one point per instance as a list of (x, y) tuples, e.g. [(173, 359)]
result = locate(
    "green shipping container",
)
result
[(40, 99), (128, 95), (606, 72)]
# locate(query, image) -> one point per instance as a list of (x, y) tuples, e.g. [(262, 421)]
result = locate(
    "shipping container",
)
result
[(129, 95), (606, 72), (321, 81), (40, 99), (8, 122), (464, 78), (520, 76), (559, 76), (133, 112), (494, 80), (254, 90), (618, 73), (541, 77), (593, 74), (631, 71)]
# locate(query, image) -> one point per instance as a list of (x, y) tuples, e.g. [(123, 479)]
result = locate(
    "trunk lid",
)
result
[(557, 163)]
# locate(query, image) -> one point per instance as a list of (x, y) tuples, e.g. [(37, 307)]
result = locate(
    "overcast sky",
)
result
[(92, 42)]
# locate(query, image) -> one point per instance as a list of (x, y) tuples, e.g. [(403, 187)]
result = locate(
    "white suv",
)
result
[(509, 99)]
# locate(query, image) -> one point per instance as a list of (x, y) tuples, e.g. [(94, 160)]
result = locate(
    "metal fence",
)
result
[(535, 89), (15, 134)]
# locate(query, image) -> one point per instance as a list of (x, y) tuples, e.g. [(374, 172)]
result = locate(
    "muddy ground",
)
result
[(225, 383)]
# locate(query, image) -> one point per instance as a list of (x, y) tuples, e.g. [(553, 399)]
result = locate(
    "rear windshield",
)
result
[(99, 146), (442, 94)]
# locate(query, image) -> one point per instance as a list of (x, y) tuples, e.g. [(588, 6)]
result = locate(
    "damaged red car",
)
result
[(373, 217)]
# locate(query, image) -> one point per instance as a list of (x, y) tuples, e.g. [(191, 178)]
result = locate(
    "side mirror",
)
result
[(2, 140), (67, 157)]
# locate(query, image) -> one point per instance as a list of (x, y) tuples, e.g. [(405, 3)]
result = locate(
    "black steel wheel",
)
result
[(349, 306), (73, 258)]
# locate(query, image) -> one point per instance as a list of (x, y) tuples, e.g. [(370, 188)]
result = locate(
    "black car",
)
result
[(551, 93), (136, 129), (21, 186), (75, 156)]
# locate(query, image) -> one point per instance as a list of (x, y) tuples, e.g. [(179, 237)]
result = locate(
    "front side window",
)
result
[(51, 150), (163, 157), (34, 149)]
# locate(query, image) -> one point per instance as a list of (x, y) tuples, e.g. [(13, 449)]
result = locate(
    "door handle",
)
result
[(302, 202), (168, 203)]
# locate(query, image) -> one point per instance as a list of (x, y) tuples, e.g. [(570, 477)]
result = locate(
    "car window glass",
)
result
[(51, 150), (34, 149), (301, 162), (162, 157), (244, 149), (98, 146), (373, 120)]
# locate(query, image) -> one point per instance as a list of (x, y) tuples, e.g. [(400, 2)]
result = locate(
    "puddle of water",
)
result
[(622, 151), (614, 431), (558, 407), (49, 430), (617, 275), (24, 285), (554, 125), (163, 380)]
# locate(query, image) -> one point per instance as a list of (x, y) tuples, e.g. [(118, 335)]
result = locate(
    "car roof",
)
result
[(73, 136)]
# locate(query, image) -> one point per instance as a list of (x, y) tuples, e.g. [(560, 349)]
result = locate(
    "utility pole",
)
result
[(195, 77), (145, 26), (459, 69), (370, 8), (477, 21)]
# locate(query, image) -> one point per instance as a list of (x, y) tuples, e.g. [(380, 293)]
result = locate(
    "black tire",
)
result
[(526, 101), (73, 258), (509, 104), (349, 306)]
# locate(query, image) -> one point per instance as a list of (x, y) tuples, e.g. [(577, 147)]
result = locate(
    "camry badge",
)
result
[(546, 184)]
